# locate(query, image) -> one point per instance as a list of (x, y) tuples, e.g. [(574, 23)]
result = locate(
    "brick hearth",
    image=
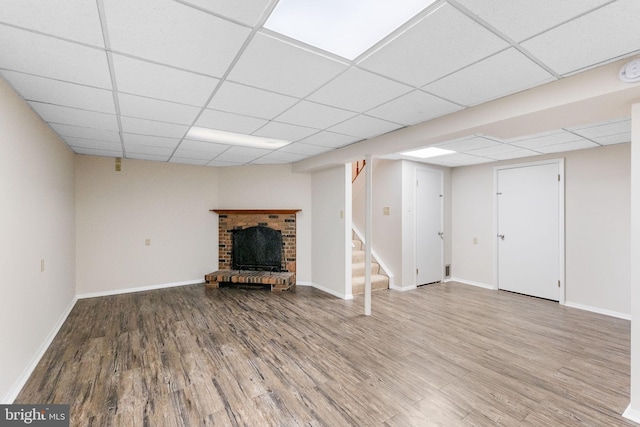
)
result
[(281, 220)]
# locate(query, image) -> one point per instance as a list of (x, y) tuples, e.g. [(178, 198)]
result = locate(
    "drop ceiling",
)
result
[(125, 78)]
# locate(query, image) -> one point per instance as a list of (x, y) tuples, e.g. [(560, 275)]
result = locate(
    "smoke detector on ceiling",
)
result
[(630, 72)]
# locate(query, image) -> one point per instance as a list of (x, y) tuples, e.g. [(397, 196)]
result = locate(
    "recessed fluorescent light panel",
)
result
[(425, 153), (344, 27), (230, 138)]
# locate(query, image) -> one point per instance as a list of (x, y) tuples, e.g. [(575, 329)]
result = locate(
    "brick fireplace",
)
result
[(283, 221)]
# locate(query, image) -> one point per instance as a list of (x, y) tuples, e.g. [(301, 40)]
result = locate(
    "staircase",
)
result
[(379, 280)]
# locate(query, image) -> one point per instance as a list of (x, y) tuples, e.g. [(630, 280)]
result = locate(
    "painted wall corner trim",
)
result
[(606, 312), (28, 370), (327, 290), (472, 283), (632, 414), (140, 289)]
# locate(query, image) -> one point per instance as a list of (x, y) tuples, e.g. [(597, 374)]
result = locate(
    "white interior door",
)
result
[(529, 212), (429, 226)]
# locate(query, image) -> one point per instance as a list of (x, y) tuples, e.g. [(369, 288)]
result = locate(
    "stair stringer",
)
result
[(374, 255)]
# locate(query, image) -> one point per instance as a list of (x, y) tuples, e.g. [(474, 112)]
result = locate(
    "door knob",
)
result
[(441, 234), (501, 236)]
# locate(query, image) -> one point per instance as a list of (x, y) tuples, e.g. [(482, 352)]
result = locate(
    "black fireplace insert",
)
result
[(257, 248)]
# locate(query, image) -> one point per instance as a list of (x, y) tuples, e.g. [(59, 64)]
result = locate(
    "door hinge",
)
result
[(416, 271), (558, 283), (558, 177)]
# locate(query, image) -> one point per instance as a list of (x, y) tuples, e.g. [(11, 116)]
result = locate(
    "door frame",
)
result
[(415, 219), (561, 220)]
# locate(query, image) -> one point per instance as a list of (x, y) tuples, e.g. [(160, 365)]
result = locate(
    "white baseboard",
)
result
[(402, 288), (28, 370), (632, 414), (327, 290), (598, 310), (140, 289), (472, 283)]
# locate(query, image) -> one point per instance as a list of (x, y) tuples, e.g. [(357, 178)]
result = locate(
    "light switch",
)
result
[(475, 240), (147, 242), (386, 210)]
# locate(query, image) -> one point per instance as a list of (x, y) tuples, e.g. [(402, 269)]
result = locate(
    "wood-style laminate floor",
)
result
[(444, 354)]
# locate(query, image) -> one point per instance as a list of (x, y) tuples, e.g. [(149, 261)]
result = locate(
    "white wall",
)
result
[(272, 187), (116, 211), (597, 188), (394, 234), (331, 238), (36, 223), (633, 411)]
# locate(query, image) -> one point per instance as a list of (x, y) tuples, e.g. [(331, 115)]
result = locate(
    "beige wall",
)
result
[(36, 223), (169, 204), (272, 187), (331, 239), (597, 226), (116, 211)]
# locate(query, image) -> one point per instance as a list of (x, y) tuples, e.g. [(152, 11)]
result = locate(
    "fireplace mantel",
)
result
[(255, 211)]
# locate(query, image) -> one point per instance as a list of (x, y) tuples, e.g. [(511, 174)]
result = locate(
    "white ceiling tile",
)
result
[(590, 39), (147, 149), (229, 122), (241, 99), (188, 161), (494, 150), (153, 109), (567, 146), (278, 66), (515, 154), (50, 57), (468, 144), (620, 138), (413, 108), (85, 133), (521, 19), (314, 115), (560, 137), (49, 91), (172, 33), (149, 141), (152, 157), (202, 147), (365, 127), (284, 131), (75, 117), (284, 157), (306, 149), (330, 139), (458, 159), (441, 43), (92, 143), (196, 155), (502, 74), (75, 20), (352, 91), (246, 11), (241, 154), (150, 127), (97, 152), (611, 127), (158, 81)]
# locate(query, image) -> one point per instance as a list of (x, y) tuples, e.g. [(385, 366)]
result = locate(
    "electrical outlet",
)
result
[(475, 240), (386, 210)]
